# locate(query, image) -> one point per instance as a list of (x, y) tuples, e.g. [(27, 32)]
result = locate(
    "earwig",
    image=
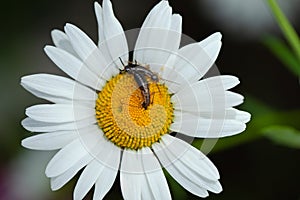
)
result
[(139, 73)]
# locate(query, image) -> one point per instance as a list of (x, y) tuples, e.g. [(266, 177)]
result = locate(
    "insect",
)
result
[(140, 75)]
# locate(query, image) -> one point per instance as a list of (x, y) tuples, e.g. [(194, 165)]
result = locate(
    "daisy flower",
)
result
[(122, 114)]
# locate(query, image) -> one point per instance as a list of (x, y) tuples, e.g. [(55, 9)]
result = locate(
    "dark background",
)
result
[(254, 170)]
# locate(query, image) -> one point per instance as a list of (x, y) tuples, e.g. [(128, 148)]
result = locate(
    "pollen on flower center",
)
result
[(125, 121)]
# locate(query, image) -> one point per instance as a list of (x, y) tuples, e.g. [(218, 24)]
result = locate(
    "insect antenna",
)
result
[(166, 80), (122, 62)]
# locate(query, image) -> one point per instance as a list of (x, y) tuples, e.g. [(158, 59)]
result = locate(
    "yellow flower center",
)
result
[(124, 120)]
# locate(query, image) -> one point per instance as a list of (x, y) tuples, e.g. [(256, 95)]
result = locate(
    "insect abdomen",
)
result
[(142, 82)]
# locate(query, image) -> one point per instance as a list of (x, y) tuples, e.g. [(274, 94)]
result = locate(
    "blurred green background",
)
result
[(261, 163)]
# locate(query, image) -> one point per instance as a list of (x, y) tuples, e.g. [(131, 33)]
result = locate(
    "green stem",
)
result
[(286, 27)]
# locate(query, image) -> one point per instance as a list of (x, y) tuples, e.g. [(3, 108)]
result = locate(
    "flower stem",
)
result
[(287, 29)]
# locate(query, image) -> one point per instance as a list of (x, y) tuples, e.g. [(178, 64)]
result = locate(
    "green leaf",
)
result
[(283, 135), (286, 27), (283, 53)]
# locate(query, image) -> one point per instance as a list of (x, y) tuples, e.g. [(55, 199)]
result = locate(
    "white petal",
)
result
[(81, 43), (114, 35), (102, 43), (188, 166), (210, 39), (99, 16), (59, 181), (87, 179), (225, 82), (210, 86), (58, 113), (159, 37), (110, 171), (154, 174), (97, 145), (89, 53), (176, 25), (61, 40), (142, 177), (194, 60), (107, 161), (152, 19), (230, 113), (130, 182), (51, 98), (73, 152), (105, 150), (74, 67), (172, 77), (240, 115), (65, 158), (49, 141), (105, 182), (175, 36), (216, 83), (233, 99), (196, 126), (212, 50), (37, 126), (58, 87), (207, 95), (189, 156)]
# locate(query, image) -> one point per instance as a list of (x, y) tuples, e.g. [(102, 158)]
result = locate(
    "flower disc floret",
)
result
[(125, 121)]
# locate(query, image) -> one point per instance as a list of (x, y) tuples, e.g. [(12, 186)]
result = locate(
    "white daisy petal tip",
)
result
[(48, 49), (70, 28), (217, 35), (107, 7), (25, 123), (25, 143), (176, 24), (54, 32), (212, 45), (162, 3), (24, 81), (233, 99), (53, 187), (244, 116), (25, 78), (233, 80), (96, 6), (98, 12), (177, 18), (56, 35), (31, 143), (217, 188)]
